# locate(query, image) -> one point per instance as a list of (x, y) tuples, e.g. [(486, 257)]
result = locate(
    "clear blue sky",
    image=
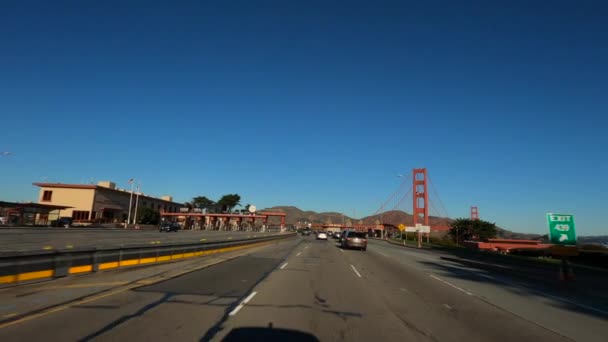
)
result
[(317, 104)]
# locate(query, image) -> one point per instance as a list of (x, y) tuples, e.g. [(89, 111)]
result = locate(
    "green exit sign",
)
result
[(561, 229)]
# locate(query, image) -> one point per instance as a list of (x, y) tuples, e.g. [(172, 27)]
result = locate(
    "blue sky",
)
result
[(317, 104)]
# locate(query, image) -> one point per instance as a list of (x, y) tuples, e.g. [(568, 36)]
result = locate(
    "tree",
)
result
[(147, 215), (228, 202), (477, 230), (202, 202)]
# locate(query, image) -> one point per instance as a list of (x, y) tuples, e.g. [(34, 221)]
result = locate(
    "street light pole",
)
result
[(130, 204), (136, 203)]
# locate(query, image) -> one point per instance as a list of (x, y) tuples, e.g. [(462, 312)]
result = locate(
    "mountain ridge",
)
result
[(296, 215)]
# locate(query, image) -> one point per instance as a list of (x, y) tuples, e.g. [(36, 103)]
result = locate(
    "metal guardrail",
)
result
[(21, 267)]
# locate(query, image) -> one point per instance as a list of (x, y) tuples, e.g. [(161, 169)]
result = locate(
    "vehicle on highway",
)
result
[(169, 227), (322, 236), (343, 235), (65, 222), (337, 235), (353, 239), (306, 232)]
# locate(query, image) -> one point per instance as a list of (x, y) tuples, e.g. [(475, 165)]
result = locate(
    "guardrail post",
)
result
[(62, 264), (95, 261)]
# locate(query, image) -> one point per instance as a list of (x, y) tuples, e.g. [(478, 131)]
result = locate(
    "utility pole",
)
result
[(130, 203), (136, 203)]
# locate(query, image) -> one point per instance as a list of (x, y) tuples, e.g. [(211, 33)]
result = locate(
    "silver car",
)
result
[(354, 240)]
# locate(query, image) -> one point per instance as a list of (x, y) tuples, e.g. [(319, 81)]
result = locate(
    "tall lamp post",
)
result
[(130, 203), (136, 202)]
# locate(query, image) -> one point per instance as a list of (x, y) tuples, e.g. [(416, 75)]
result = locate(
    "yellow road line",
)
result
[(129, 262), (177, 256), (80, 269), (8, 279), (147, 260), (34, 275), (108, 265)]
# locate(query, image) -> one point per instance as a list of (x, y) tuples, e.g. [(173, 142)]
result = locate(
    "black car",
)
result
[(169, 227), (62, 222)]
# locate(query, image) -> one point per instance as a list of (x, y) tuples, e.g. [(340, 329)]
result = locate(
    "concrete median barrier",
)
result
[(24, 267)]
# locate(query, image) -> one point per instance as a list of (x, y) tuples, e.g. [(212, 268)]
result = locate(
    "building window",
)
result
[(159, 207), (47, 195), (145, 203), (80, 215)]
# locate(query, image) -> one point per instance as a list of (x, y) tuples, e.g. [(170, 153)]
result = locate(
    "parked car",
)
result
[(322, 236), (62, 222), (3, 220), (169, 227), (355, 240)]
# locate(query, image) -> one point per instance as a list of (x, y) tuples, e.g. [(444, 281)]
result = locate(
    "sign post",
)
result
[(562, 234), (401, 229)]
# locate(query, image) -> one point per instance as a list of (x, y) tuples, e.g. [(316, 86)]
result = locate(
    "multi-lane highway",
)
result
[(303, 289), (21, 239)]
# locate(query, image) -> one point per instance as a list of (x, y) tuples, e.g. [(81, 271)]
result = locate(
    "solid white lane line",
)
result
[(298, 254), (384, 255), (354, 269), (240, 306), (450, 284), (447, 307), (341, 250), (305, 247), (285, 264)]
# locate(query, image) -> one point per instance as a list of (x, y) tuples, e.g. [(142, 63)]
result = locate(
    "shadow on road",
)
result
[(570, 296)]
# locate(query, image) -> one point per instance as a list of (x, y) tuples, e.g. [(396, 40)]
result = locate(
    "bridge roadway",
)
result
[(302, 289), (24, 239)]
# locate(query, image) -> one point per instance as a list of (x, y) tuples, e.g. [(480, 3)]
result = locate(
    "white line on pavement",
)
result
[(447, 307), (285, 264), (384, 255), (341, 250), (240, 306), (354, 269), (298, 254), (450, 284), (540, 293)]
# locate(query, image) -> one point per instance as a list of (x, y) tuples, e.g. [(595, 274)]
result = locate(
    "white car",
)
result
[(322, 236)]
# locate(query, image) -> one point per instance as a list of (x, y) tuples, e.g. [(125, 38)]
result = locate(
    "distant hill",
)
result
[(295, 215), (394, 217)]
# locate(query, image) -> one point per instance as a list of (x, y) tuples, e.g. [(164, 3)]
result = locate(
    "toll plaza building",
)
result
[(29, 214), (101, 203)]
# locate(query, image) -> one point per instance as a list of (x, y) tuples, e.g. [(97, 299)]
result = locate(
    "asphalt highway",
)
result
[(302, 289), (60, 238)]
